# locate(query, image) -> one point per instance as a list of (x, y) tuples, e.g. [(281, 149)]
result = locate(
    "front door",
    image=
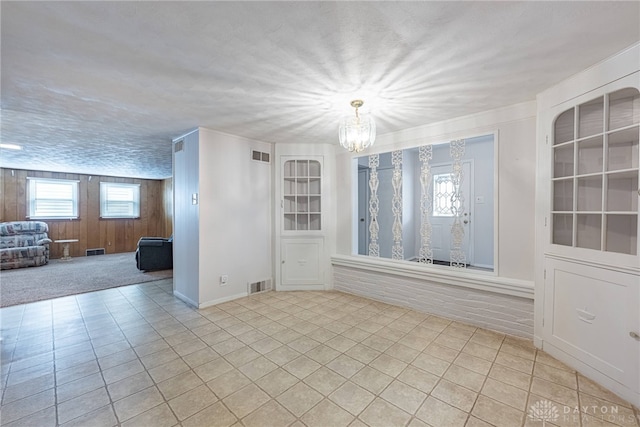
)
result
[(442, 216)]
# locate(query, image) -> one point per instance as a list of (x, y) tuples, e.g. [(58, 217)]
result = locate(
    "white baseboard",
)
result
[(302, 288), (221, 300), (184, 298)]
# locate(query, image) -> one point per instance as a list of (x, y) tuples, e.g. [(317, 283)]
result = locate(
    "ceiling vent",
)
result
[(259, 156), (178, 146)]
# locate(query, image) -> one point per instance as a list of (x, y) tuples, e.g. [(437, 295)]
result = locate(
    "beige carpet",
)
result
[(80, 275)]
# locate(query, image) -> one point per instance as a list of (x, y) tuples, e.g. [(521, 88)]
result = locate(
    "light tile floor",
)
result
[(137, 356)]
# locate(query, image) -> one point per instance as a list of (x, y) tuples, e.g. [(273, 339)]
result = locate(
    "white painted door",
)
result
[(300, 264), (441, 215)]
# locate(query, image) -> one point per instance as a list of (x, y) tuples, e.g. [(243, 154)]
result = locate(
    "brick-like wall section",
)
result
[(504, 313)]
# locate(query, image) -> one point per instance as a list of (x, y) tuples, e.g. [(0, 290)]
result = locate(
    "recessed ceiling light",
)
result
[(11, 146)]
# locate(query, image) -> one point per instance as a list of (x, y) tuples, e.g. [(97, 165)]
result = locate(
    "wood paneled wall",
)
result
[(114, 235), (167, 195)]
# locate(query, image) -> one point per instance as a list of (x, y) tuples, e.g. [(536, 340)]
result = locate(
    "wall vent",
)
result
[(259, 156), (258, 287), (178, 146), (97, 251)]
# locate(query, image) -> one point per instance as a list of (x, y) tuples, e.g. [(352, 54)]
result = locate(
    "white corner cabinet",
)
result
[(304, 216), (587, 263)]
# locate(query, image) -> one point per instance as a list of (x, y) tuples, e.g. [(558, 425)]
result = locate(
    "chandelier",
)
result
[(357, 132)]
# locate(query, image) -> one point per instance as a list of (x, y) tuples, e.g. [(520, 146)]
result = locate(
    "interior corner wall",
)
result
[(186, 260), (235, 227)]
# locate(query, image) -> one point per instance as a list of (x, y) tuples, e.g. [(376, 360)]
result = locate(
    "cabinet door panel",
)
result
[(301, 261), (590, 312)]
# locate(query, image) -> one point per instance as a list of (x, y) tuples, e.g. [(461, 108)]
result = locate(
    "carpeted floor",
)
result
[(80, 275)]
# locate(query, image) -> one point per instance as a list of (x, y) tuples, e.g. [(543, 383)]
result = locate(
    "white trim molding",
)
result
[(441, 274)]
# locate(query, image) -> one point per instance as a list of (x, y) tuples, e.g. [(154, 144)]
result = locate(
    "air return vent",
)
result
[(258, 287), (97, 251), (259, 156), (178, 146)]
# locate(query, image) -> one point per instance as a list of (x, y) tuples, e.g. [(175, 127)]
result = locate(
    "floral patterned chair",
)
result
[(23, 244)]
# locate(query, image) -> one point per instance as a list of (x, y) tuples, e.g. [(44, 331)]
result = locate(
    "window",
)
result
[(443, 195), (52, 198), (119, 200), (416, 204)]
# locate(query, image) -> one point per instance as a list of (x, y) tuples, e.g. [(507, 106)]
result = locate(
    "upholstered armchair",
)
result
[(154, 253), (23, 244)]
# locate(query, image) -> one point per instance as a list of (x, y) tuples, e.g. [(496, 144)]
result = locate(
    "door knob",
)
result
[(466, 221), (634, 335), (361, 219)]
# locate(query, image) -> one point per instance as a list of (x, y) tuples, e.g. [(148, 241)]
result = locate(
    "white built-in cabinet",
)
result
[(588, 267), (302, 225)]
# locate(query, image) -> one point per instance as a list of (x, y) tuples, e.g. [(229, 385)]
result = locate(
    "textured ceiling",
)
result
[(103, 87)]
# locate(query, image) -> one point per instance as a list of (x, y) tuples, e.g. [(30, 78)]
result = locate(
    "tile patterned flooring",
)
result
[(137, 356)]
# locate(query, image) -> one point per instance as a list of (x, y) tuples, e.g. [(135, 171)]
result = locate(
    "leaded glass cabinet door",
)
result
[(302, 190), (595, 174), (302, 258)]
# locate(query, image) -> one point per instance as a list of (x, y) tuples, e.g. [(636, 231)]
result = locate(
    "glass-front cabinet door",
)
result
[(595, 174), (302, 190)]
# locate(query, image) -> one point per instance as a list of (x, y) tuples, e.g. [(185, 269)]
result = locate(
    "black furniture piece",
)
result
[(154, 253)]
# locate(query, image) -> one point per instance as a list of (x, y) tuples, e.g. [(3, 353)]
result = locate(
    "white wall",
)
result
[(229, 231), (410, 188), (235, 216), (185, 220), (481, 151), (385, 213)]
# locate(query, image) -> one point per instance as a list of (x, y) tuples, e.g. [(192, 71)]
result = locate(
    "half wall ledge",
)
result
[(483, 300)]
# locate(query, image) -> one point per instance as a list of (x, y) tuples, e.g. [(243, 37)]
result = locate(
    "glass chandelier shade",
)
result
[(357, 132)]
